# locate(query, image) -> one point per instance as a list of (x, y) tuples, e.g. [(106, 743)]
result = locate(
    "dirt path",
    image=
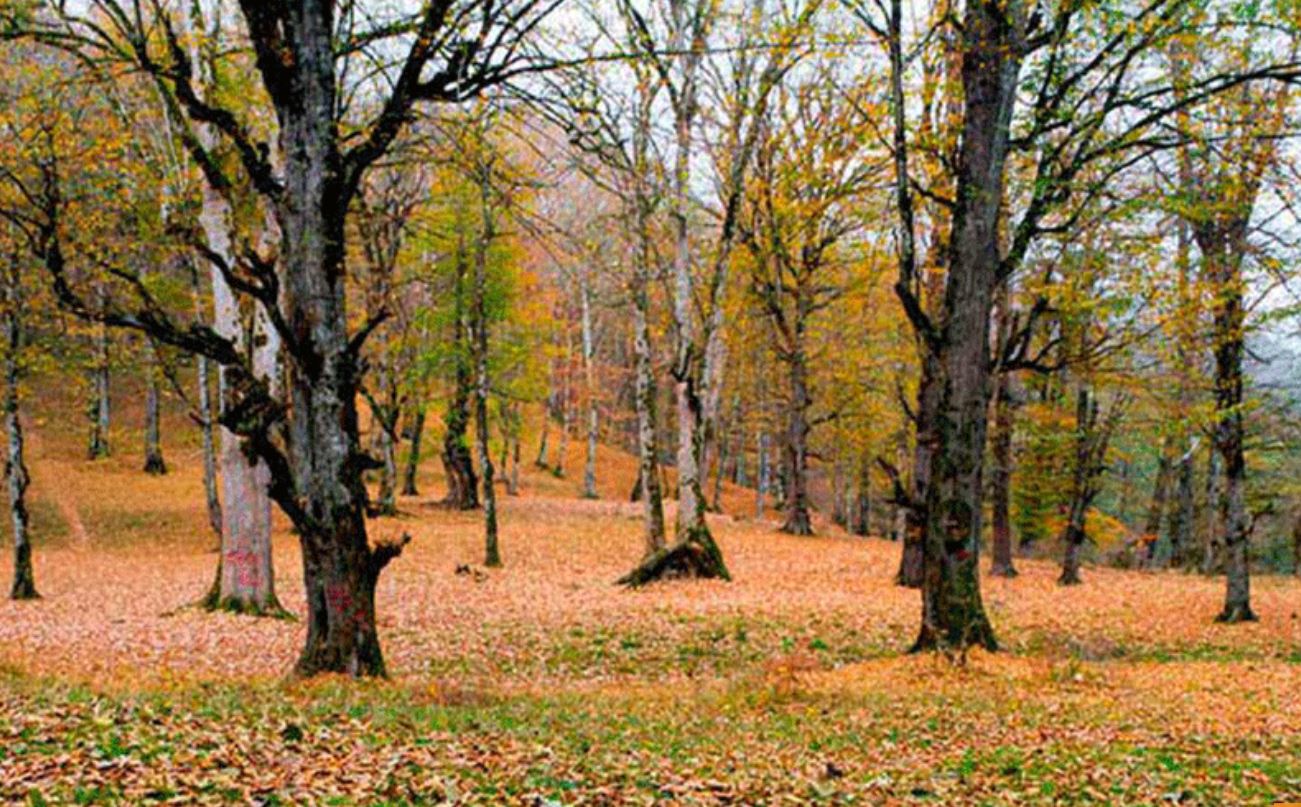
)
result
[(60, 493)]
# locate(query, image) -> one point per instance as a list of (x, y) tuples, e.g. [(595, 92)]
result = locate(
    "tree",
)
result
[(309, 438), (11, 325), (1094, 112), (810, 172), (676, 52), (1092, 437)]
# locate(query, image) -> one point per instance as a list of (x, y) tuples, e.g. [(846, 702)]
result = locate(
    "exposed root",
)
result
[(696, 557), (1236, 615)]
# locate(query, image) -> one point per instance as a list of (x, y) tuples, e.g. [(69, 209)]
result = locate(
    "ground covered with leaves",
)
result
[(544, 683)]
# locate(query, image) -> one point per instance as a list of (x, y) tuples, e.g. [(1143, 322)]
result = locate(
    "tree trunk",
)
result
[(1074, 535), (479, 329), (1156, 511), (863, 518), (953, 614), (1004, 424), (1296, 547), (1211, 560), (798, 520), (1074, 539), (589, 383), (208, 417), (566, 416), (1183, 513), (462, 482), (1223, 256), (911, 565), (512, 479), (541, 461), (154, 462), (761, 480), (417, 427), (245, 581), (98, 445), (24, 583), (839, 510), (328, 501), (694, 552), (648, 478), (387, 494)]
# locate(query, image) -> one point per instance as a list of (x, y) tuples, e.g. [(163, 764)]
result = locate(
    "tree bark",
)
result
[(417, 427), (541, 461), (1156, 512), (24, 582), (1211, 560), (761, 479), (589, 381), (798, 520), (1222, 254), (245, 581), (646, 392), (328, 501), (154, 463), (207, 421), (1004, 423), (863, 510), (479, 330), (462, 481), (953, 613), (100, 411)]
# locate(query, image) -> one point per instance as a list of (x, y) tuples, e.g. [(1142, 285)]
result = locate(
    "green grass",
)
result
[(743, 741)]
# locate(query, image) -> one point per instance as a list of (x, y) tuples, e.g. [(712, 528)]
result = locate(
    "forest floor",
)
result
[(544, 683)]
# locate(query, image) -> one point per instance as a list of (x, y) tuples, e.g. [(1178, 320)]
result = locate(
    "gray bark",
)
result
[(24, 582), (589, 380), (154, 462), (100, 407), (417, 427)]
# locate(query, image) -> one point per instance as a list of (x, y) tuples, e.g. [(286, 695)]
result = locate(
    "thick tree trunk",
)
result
[(911, 564), (1156, 512), (798, 520), (328, 501), (953, 613), (648, 478), (1073, 538), (417, 427), (154, 462), (1223, 257), (245, 581), (100, 411), (207, 414), (24, 583)]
